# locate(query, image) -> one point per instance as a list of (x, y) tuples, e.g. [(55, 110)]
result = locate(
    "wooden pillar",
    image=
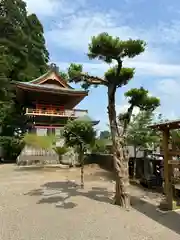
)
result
[(167, 170)]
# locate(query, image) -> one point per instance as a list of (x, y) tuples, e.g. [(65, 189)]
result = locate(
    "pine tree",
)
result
[(112, 49)]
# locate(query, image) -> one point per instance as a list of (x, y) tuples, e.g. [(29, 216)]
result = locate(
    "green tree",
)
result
[(79, 135), (138, 97), (140, 135), (13, 41), (23, 56), (105, 135), (111, 49), (99, 146), (22, 44), (37, 52)]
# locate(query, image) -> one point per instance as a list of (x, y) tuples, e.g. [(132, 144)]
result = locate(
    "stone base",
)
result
[(34, 156), (70, 158), (164, 206)]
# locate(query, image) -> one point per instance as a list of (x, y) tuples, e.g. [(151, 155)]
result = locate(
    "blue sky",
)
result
[(69, 25)]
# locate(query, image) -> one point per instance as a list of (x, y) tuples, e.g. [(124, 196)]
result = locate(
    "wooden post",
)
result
[(167, 177)]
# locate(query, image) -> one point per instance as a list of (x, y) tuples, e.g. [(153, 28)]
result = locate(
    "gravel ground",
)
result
[(44, 205)]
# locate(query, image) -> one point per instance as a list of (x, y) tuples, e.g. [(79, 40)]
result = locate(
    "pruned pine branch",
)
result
[(89, 80)]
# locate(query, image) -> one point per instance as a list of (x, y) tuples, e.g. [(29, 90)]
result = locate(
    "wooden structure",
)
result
[(170, 185), (49, 101)]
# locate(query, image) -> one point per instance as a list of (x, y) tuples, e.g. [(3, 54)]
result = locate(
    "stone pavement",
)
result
[(37, 205)]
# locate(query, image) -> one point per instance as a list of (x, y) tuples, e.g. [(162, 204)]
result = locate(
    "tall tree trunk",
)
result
[(134, 165), (81, 156), (119, 154)]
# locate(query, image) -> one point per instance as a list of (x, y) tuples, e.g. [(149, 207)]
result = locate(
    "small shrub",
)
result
[(79, 135), (100, 146), (61, 150), (44, 142), (11, 147)]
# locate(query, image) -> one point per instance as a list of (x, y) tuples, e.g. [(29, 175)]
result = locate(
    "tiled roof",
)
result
[(50, 87), (45, 75)]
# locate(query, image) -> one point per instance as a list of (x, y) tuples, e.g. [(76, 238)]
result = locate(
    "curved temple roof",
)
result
[(49, 88), (51, 81)]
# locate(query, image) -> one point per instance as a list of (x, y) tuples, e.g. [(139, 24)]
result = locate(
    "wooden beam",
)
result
[(174, 153)]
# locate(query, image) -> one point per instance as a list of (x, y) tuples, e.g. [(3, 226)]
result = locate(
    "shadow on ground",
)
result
[(170, 220), (59, 193), (40, 168), (55, 192)]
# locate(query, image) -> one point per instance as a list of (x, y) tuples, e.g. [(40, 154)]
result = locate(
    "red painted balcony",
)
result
[(74, 113)]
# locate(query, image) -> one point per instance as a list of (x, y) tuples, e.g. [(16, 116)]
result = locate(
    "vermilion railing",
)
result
[(55, 112)]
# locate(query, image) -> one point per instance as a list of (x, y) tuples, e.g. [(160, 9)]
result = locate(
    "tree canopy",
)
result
[(140, 135), (105, 134), (22, 44), (23, 56), (107, 48), (138, 97), (112, 50), (79, 134)]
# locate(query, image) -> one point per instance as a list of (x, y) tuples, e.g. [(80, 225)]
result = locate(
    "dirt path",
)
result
[(46, 204)]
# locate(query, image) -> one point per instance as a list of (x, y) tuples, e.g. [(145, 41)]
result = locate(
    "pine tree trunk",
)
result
[(120, 154)]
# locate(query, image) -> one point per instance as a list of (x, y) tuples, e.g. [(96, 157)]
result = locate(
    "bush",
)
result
[(11, 147), (44, 142), (61, 150), (100, 146)]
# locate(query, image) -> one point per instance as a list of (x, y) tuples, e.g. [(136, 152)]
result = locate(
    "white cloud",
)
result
[(75, 33), (168, 90), (169, 87), (143, 68), (155, 69), (74, 29), (52, 8), (78, 30), (170, 32), (124, 107), (42, 7)]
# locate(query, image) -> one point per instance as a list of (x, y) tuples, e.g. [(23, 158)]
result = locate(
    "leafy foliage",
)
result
[(79, 134), (12, 147), (61, 150), (139, 97), (21, 42), (139, 134), (13, 121), (74, 71), (105, 135), (99, 146), (107, 48), (23, 56), (112, 49), (44, 142)]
